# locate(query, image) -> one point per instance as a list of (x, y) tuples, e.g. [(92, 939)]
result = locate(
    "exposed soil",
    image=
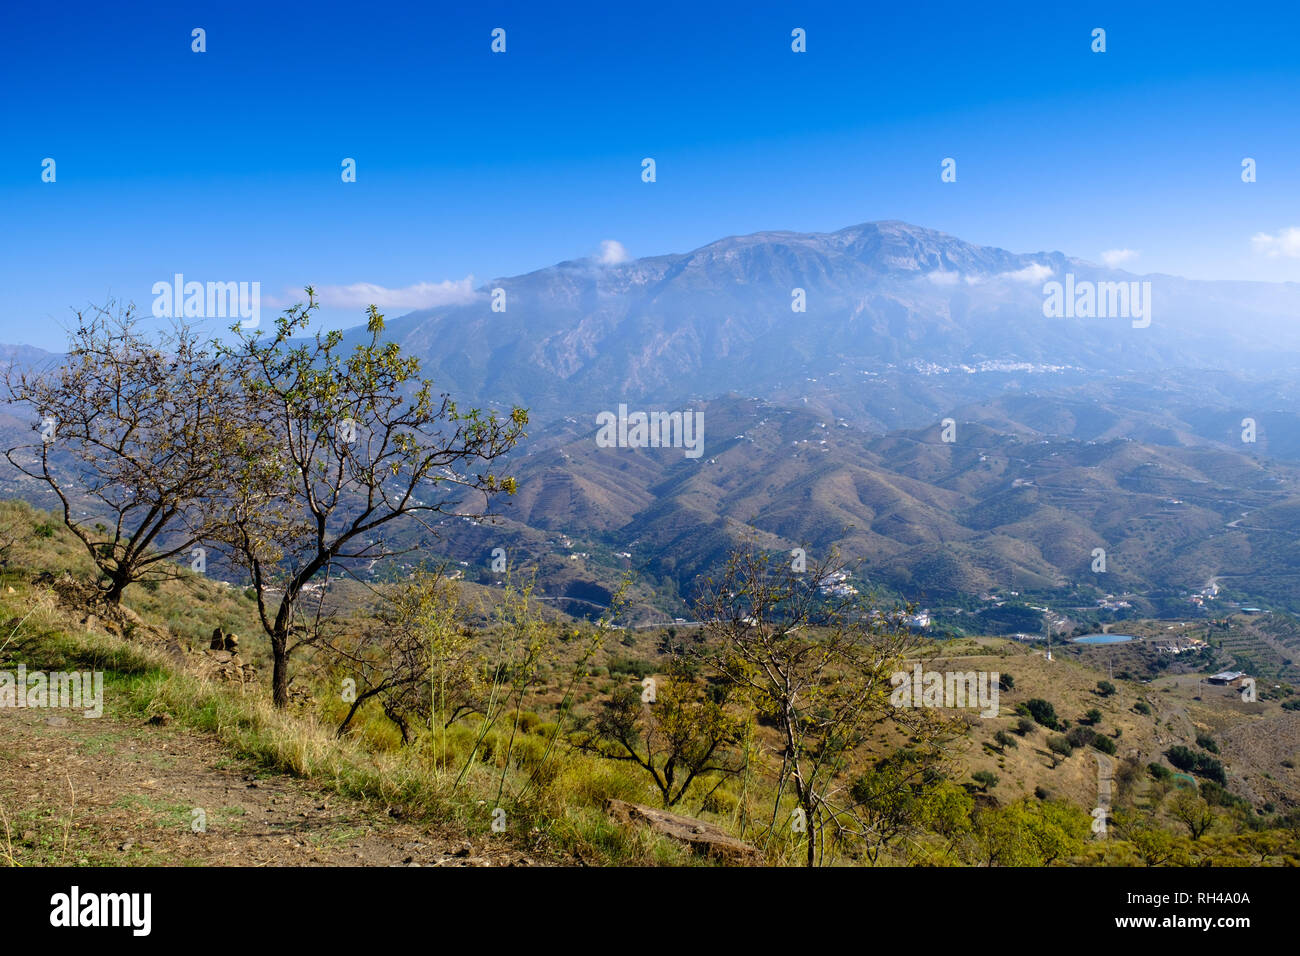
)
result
[(118, 791)]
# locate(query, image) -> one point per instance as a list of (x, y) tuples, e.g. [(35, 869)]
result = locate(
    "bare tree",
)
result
[(136, 434), (343, 443)]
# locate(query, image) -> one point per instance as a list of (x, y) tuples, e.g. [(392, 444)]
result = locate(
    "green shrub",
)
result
[(634, 666), (1057, 744), (1081, 736), (1043, 712)]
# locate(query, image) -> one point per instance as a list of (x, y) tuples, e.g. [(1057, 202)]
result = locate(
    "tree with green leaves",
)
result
[(1028, 833), (343, 444), (414, 655), (677, 729), (817, 666), (1193, 812), (1059, 747), (900, 795)]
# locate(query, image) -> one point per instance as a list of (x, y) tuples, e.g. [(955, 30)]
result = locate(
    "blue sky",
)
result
[(225, 165)]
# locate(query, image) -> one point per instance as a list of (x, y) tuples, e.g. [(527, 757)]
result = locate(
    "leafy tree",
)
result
[(1157, 847), (415, 656), (817, 668), (985, 778), (683, 734), (1202, 764), (1080, 736), (344, 442), (1042, 711), (137, 435), (1184, 758), (900, 794), (1105, 688), (1029, 833), (1093, 716), (1060, 748), (1193, 812), (1004, 740)]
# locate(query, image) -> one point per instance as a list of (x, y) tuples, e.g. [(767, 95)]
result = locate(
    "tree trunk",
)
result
[(812, 834), (280, 671), (117, 584)]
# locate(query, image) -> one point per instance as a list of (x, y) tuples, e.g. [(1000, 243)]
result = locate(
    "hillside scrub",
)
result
[(554, 792)]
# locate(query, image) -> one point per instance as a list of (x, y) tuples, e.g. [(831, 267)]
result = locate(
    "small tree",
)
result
[(137, 435), (1028, 833), (1156, 846), (682, 734), (902, 793), (818, 668), (1193, 812), (414, 656), (343, 443), (1060, 748), (1042, 711)]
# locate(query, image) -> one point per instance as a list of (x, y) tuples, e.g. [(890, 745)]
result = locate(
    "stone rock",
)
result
[(709, 840), (218, 640), (56, 721)]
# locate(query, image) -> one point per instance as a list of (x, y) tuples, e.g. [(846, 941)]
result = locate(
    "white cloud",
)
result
[(1033, 273), (611, 253), (421, 295), (943, 278), (1285, 243), (1115, 257)]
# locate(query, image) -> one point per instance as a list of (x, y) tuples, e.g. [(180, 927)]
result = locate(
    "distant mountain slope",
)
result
[(880, 297), (998, 508)]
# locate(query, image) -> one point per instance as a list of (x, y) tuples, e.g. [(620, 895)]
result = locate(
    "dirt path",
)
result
[(117, 791)]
